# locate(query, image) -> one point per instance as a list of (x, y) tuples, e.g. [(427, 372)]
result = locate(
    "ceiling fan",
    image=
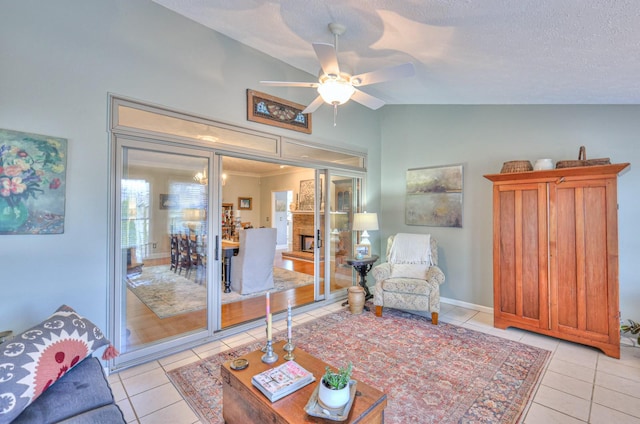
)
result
[(335, 87)]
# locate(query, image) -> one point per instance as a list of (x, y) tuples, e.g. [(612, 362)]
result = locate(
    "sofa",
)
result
[(49, 374), (81, 396)]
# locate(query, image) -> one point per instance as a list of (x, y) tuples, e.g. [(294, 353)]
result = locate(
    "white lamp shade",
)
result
[(365, 221)]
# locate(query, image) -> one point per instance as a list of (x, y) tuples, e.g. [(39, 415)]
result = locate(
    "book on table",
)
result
[(276, 383)]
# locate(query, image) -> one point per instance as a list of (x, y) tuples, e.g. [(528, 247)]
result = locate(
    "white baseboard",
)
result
[(467, 305)]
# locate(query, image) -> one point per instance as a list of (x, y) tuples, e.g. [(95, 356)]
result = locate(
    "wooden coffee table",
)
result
[(244, 404)]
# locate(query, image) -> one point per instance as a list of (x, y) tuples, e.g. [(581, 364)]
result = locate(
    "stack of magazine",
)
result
[(276, 383)]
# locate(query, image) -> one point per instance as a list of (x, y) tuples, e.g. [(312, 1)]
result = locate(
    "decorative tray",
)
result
[(314, 408)]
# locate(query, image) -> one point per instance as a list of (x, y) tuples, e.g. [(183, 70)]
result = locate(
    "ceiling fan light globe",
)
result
[(336, 92)]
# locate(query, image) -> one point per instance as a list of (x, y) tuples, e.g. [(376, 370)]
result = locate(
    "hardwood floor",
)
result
[(144, 326)]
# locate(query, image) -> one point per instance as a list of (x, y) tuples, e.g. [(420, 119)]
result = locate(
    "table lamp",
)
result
[(365, 222)]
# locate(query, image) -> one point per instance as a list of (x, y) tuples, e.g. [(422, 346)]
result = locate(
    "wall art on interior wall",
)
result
[(32, 183), (434, 196), (169, 201), (244, 203), (307, 191), (271, 110)]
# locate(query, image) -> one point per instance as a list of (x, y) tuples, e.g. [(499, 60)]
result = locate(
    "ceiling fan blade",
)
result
[(290, 84), (328, 58), (314, 105), (384, 74), (367, 100)]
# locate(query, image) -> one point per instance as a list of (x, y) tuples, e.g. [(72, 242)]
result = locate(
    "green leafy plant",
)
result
[(633, 328), (337, 380)]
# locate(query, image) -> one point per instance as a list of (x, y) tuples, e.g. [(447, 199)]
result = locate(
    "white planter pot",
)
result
[(333, 398)]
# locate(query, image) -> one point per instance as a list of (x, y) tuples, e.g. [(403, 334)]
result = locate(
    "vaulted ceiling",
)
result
[(465, 52)]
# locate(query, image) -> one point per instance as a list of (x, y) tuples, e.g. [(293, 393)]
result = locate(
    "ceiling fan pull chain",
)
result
[(335, 113)]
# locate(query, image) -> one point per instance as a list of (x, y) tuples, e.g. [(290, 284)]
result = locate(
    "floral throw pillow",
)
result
[(37, 358)]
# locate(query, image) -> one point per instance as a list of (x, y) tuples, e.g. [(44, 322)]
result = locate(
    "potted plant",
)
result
[(633, 328), (334, 387)]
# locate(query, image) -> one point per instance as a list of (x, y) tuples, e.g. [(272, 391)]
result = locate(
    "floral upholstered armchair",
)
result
[(410, 279)]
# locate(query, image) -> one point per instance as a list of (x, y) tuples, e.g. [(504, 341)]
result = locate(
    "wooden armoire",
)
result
[(555, 254)]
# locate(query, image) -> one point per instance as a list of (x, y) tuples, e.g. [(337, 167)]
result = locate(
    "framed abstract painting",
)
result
[(434, 196)]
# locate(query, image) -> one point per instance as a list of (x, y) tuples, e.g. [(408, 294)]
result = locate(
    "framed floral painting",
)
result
[(32, 183)]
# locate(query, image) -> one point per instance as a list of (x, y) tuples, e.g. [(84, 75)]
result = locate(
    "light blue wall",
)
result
[(59, 60), (482, 138)]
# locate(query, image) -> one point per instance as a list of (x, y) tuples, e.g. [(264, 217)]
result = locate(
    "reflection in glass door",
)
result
[(344, 199), (163, 242), (275, 203)]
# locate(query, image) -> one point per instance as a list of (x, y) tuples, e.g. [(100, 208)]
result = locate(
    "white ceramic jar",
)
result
[(542, 164), (330, 398)]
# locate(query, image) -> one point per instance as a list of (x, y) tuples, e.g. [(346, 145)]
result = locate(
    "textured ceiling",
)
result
[(465, 52)]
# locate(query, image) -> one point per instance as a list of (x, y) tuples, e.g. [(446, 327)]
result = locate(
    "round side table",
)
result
[(363, 266)]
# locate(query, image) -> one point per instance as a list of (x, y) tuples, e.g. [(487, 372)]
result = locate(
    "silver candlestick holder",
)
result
[(270, 356), (288, 347)]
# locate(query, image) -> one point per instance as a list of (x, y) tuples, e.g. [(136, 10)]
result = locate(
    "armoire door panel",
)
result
[(582, 258), (530, 255), (566, 284), (507, 253), (596, 259), (521, 208)]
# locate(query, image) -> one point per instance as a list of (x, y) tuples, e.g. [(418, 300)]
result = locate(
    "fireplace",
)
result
[(302, 226), (303, 236), (306, 243)]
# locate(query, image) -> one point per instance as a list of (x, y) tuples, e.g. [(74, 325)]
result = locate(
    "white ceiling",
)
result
[(465, 52)]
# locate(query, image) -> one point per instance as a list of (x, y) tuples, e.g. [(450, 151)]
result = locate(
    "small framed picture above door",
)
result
[(244, 203)]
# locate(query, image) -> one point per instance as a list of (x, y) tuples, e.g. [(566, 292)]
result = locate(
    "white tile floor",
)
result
[(579, 385)]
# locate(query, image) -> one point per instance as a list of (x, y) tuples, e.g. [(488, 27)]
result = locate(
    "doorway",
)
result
[(271, 187), (281, 212)]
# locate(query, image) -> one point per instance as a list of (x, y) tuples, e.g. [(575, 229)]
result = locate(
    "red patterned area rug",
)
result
[(431, 374)]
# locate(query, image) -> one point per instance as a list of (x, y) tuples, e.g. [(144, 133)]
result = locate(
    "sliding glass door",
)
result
[(343, 199), (183, 188), (256, 196), (162, 244)]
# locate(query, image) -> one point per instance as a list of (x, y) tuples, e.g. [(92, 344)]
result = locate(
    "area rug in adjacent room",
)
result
[(283, 279), (167, 293), (431, 374)]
